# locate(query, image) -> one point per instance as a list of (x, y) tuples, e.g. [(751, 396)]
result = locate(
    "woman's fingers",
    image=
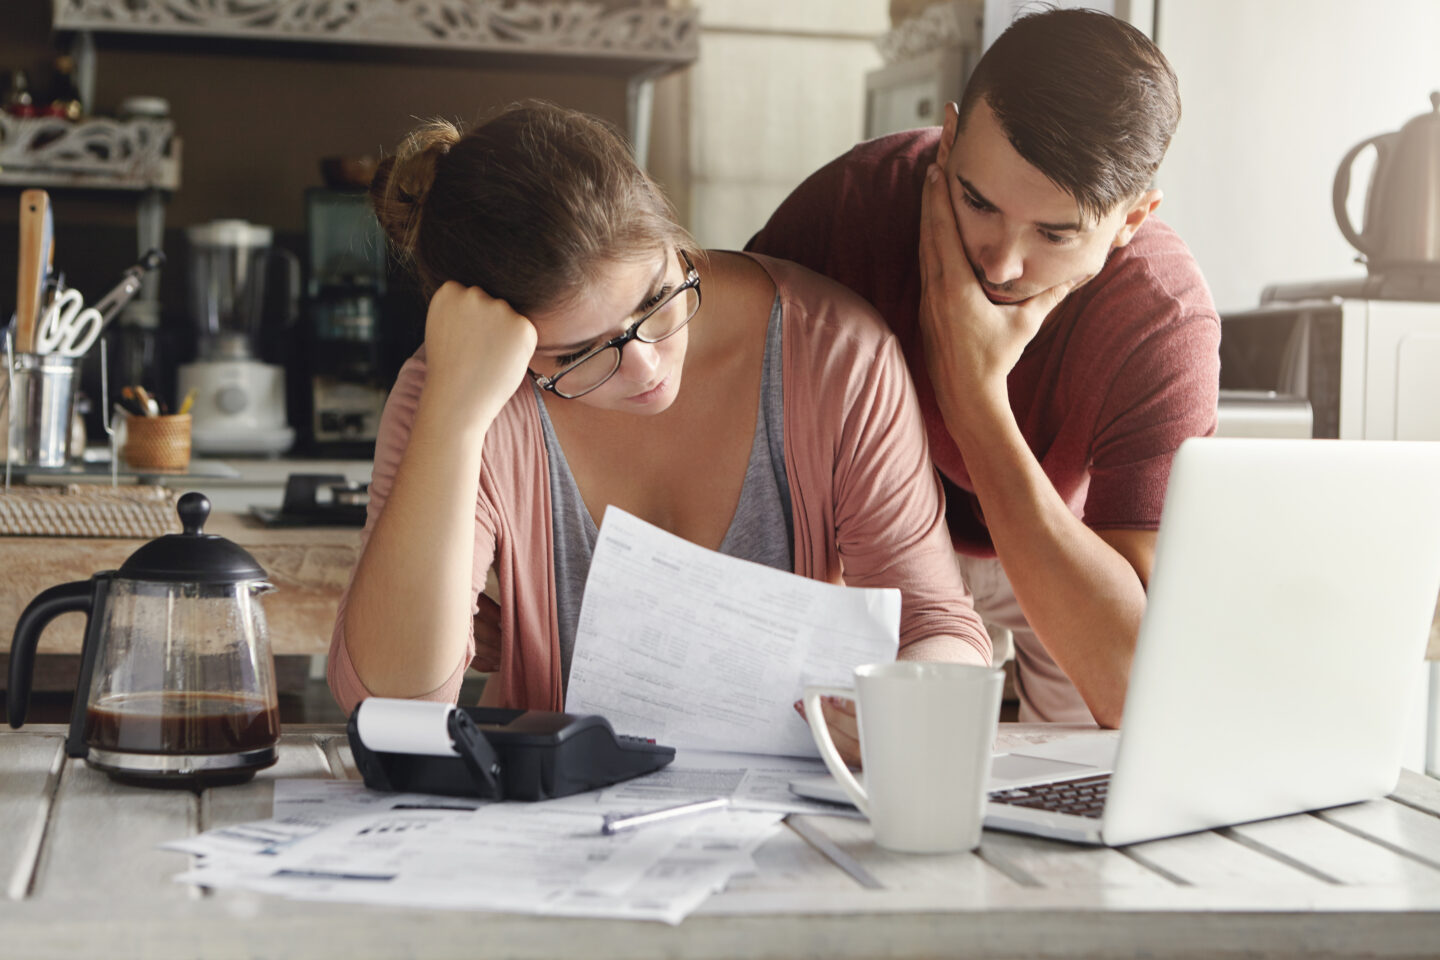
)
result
[(844, 731)]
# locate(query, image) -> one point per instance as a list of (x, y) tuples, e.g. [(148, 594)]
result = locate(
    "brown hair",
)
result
[(1085, 98), (528, 206)]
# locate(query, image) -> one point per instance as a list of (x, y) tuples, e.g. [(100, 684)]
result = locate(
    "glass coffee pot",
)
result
[(177, 681)]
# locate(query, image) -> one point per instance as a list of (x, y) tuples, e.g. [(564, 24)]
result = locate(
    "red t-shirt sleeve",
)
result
[(1166, 390)]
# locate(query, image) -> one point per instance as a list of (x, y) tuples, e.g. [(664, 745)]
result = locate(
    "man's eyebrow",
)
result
[(979, 197), (576, 347)]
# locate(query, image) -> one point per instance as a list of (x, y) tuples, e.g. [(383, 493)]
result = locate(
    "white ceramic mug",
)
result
[(927, 732)]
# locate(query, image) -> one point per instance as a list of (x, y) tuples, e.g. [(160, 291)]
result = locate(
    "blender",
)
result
[(239, 405)]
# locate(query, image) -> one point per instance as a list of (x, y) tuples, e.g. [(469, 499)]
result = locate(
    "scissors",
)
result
[(69, 327)]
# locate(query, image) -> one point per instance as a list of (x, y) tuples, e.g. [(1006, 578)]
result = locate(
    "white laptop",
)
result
[(1294, 586), (1290, 603)]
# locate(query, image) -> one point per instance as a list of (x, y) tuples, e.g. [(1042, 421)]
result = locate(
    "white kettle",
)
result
[(1402, 204)]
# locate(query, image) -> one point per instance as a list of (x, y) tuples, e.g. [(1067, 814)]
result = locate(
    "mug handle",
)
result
[(815, 716)]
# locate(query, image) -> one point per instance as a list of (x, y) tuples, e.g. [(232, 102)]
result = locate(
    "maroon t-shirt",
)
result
[(1126, 367)]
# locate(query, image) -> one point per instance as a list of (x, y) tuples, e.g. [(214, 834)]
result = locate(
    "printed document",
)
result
[(704, 651), (519, 857)]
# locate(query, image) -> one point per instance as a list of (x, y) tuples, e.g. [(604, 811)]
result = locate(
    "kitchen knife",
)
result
[(36, 249)]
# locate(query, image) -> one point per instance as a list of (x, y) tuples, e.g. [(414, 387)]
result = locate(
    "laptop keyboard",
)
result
[(1084, 797)]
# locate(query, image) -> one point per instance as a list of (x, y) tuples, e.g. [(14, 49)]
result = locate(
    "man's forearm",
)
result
[(1081, 597)]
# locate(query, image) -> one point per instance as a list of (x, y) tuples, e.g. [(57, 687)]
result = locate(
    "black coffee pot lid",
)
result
[(193, 556)]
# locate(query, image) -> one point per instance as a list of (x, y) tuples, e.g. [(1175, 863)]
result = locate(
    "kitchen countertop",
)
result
[(308, 565)]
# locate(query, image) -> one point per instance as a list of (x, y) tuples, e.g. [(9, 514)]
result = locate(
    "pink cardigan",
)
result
[(868, 510)]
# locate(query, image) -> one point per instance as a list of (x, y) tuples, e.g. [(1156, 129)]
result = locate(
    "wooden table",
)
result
[(84, 878), (308, 565)]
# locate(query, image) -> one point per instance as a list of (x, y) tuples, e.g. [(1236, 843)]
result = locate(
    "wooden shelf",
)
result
[(635, 38), (98, 153)]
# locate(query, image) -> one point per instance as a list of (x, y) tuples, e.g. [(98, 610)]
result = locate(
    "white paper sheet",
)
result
[(750, 781), (305, 807), (527, 858), (701, 650)]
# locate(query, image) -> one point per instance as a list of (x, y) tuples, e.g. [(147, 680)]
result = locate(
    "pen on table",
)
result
[(614, 823)]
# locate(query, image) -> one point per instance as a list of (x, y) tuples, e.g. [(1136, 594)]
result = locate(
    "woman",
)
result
[(580, 352)]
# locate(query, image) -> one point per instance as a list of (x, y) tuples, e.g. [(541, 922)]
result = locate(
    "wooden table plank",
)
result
[(786, 861), (1332, 853), (27, 791), (39, 931), (1404, 829), (300, 757), (342, 761), (964, 872), (105, 836), (1213, 859), (1035, 861), (1420, 792)]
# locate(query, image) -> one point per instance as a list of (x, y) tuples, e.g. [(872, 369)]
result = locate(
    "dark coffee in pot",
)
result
[(182, 723)]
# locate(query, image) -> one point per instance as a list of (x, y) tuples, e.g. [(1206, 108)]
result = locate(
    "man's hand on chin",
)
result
[(971, 343)]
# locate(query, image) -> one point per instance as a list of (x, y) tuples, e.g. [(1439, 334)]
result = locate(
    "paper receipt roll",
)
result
[(387, 725)]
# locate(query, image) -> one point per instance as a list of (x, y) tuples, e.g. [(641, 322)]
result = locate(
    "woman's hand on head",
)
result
[(476, 351)]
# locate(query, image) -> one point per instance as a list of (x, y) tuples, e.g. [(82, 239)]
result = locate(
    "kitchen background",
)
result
[(1274, 94)]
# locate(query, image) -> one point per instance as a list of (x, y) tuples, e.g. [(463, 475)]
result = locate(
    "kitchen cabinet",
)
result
[(928, 58), (309, 566), (139, 156), (631, 38)]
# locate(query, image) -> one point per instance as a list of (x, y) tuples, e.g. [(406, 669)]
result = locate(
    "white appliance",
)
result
[(1368, 366), (239, 405)]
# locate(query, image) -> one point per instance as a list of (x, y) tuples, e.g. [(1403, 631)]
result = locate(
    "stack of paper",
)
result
[(335, 840)]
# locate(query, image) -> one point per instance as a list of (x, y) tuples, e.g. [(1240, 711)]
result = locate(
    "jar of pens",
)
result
[(47, 339), (151, 438)]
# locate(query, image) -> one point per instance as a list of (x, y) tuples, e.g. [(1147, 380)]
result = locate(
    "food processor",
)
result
[(239, 405)]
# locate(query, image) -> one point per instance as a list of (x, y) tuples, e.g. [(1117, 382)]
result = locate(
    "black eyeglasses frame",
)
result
[(691, 282)]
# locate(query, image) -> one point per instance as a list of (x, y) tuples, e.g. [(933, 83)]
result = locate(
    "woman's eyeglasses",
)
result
[(665, 319)]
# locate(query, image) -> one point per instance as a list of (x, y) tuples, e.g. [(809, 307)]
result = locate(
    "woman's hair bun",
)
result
[(402, 182)]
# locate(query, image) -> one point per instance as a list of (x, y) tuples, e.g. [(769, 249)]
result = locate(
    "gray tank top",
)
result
[(761, 530)]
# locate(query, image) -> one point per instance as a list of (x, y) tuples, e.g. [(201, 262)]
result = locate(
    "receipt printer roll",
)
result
[(424, 747)]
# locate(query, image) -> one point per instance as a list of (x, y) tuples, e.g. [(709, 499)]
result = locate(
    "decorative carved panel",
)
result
[(561, 27), (134, 154), (952, 24)]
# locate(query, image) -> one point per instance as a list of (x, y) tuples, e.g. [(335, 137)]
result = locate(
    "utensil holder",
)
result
[(39, 400), (157, 443)]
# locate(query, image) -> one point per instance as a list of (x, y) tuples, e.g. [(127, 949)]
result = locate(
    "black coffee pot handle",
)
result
[(65, 598)]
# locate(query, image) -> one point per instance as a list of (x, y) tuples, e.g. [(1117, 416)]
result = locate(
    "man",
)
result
[(1062, 339)]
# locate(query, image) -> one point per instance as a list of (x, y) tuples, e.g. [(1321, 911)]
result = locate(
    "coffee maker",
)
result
[(344, 388), (239, 405)]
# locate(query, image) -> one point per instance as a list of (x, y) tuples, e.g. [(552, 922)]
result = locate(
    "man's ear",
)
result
[(1138, 213), (948, 128)]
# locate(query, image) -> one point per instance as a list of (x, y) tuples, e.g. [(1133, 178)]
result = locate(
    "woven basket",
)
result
[(157, 443)]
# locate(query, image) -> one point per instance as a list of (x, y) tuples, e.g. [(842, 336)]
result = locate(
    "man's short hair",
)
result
[(1085, 98)]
